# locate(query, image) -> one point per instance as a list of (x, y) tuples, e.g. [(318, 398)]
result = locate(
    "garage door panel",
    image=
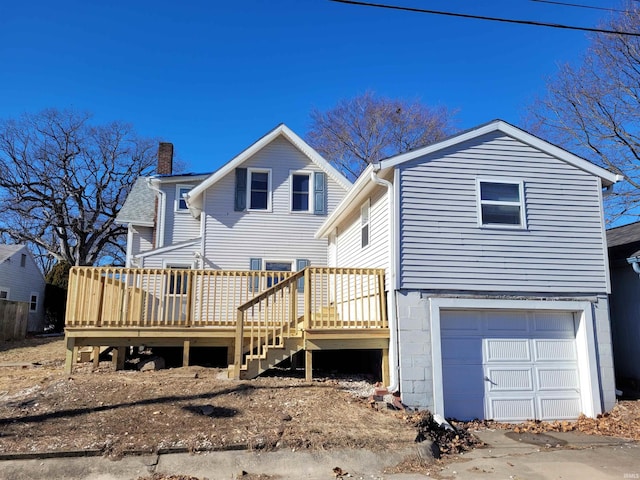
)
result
[(462, 322), (506, 322), (549, 350), (511, 409), (510, 379), (559, 324), (462, 350), (555, 379), (559, 408), (507, 350)]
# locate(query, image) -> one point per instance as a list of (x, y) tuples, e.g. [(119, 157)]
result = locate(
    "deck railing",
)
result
[(316, 298), (131, 297)]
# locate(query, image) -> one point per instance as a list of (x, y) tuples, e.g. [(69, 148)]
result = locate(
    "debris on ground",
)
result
[(622, 421), (449, 439)]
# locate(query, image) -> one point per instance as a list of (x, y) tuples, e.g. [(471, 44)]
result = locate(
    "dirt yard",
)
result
[(195, 408)]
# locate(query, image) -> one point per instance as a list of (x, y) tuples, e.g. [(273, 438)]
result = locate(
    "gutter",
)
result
[(394, 364), (160, 213)]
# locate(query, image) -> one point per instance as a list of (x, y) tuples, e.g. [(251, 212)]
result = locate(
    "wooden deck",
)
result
[(262, 318)]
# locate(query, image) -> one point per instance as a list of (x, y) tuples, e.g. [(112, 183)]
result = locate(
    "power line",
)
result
[(577, 5), (482, 17)]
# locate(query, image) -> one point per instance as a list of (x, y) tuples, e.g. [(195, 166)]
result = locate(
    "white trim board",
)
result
[(585, 342)]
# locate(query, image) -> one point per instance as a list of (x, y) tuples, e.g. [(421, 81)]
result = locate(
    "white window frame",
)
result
[(179, 197), (310, 192), (250, 172), (176, 266), (271, 260), (366, 224), (520, 203), (7, 290), (37, 302)]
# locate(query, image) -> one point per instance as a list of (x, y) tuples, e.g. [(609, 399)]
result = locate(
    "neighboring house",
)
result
[(22, 281), (260, 211), (494, 245), (624, 263)]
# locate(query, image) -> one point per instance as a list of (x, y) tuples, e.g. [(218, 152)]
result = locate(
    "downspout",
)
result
[(160, 213), (394, 365)]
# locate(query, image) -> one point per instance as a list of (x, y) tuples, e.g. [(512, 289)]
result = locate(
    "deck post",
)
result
[(96, 357), (307, 299), (117, 357), (186, 345), (308, 365), (68, 360), (386, 379), (237, 362)]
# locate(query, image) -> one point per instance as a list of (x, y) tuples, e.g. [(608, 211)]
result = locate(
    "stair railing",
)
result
[(267, 319)]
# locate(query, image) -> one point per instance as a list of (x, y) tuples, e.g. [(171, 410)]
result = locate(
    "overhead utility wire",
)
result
[(577, 5), (481, 17)]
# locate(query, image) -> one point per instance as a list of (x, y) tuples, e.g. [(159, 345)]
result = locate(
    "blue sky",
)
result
[(212, 77)]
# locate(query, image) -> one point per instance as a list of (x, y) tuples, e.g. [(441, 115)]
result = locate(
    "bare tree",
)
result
[(63, 180), (367, 128), (593, 109)]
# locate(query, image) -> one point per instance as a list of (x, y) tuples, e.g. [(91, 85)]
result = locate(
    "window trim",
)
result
[(5, 289), (31, 302), (169, 265), (250, 172), (310, 191), (176, 206), (366, 205), (521, 203)]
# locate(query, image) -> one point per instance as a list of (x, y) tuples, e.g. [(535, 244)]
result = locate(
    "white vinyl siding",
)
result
[(442, 246), (179, 226), (232, 237), (348, 244), (142, 239)]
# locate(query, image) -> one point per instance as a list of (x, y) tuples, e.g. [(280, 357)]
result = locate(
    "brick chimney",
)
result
[(165, 158)]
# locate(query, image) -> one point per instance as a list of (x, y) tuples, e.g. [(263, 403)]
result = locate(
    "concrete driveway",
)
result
[(507, 456)]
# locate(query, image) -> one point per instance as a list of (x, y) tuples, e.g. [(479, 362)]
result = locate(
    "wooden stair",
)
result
[(256, 364)]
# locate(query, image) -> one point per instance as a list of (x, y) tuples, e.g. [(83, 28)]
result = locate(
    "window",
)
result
[(364, 224), (300, 183), (178, 279), (259, 190), (501, 203), (33, 302), (23, 260), (4, 293), (181, 203)]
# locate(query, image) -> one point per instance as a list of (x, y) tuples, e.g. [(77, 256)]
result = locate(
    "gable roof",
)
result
[(608, 177), (365, 184), (7, 251), (194, 197)]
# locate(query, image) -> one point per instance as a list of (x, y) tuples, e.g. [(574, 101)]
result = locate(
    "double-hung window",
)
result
[(33, 302), (181, 203), (259, 191), (300, 192), (501, 203)]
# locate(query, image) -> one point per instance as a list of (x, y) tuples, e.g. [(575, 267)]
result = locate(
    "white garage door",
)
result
[(509, 365)]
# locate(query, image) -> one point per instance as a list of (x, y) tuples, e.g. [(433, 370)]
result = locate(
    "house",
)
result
[(21, 280), (476, 265), (494, 246), (624, 264)]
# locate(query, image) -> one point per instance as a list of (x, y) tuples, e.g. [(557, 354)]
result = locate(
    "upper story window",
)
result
[(259, 191), (501, 204), (23, 260), (364, 224), (300, 194), (181, 203)]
